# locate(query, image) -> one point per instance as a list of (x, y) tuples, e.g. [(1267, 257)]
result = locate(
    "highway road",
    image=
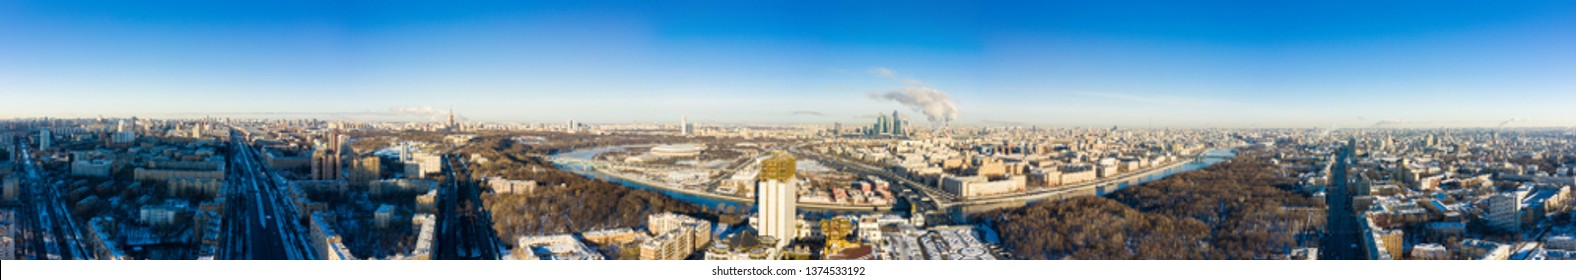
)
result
[(464, 227), (1341, 229), (52, 231), (261, 221)]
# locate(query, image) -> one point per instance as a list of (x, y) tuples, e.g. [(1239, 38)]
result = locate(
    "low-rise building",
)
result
[(327, 241), (401, 187), (1077, 173), (611, 236), (425, 236), (384, 216), (1477, 249), (286, 159), (745, 245), (99, 167), (954, 243), (157, 215), (144, 174), (502, 186), (700, 230), (422, 164), (676, 244), (553, 247), (974, 186), (194, 187), (1561, 242), (1430, 251)]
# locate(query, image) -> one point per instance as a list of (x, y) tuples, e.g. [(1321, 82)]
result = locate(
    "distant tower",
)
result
[(569, 126), (404, 152), (897, 123), (776, 198), (341, 143), (684, 126), (43, 139), (453, 126), (10, 139), (882, 125)]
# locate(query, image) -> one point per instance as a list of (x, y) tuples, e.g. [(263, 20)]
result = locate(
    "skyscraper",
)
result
[(897, 124), (453, 126), (684, 126), (776, 198), (780, 167), (404, 152), (43, 139), (881, 125), (325, 162), (366, 169)]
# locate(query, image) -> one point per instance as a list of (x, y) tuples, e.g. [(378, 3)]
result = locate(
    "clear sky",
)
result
[(1073, 63)]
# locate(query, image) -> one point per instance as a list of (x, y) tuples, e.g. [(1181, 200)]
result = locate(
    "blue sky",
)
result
[(1131, 63)]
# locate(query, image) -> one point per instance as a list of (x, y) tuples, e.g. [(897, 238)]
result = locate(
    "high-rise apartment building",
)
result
[(43, 139), (776, 198), (325, 163), (893, 125), (365, 170), (897, 124), (780, 167), (452, 126), (1504, 212), (685, 128)]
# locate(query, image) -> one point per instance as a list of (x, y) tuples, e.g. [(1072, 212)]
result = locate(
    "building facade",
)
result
[(365, 170), (776, 198), (1504, 212)]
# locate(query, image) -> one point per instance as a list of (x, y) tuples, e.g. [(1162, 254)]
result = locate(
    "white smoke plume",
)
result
[(427, 112), (934, 103), (1327, 131), (808, 113), (1384, 123), (1514, 120)]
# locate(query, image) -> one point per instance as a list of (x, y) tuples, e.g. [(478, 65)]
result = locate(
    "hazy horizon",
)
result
[(1294, 65)]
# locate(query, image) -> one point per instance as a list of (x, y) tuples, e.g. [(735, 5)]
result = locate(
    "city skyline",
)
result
[(1348, 65)]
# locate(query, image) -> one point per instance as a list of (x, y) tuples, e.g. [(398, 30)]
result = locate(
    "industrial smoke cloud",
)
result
[(934, 103), (808, 113), (1513, 120), (427, 112)]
